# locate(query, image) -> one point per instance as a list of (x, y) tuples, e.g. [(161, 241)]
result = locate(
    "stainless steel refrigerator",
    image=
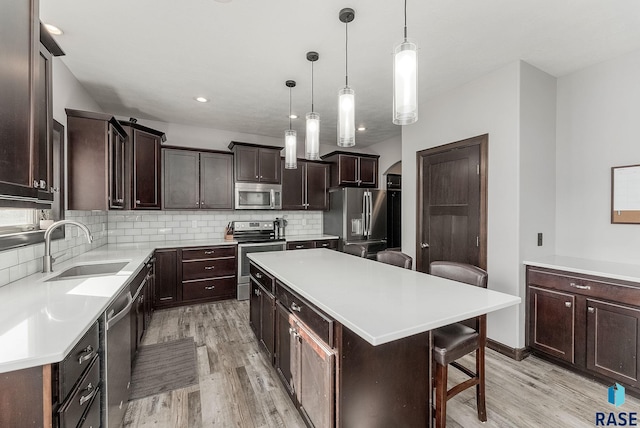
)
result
[(358, 216)]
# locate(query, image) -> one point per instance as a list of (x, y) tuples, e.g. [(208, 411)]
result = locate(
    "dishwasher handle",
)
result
[(112, 319)]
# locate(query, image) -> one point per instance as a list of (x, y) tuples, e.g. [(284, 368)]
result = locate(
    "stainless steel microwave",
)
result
[(258, 196)]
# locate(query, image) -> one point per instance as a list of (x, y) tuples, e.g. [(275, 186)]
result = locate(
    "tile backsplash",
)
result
[(116, 227), (18, 263), (158, 226)]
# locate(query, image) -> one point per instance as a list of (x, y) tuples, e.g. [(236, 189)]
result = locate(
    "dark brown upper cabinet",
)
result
[(305, 188), (96, 162), (353, 169), (26, 119), (255, 163), (197, 179), (143, 166)]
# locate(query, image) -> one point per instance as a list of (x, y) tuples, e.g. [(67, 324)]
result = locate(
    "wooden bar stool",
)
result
[(396, 258), (454, 341)]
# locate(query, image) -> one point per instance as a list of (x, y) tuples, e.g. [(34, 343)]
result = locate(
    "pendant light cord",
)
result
[(312, 86), (289, 107), (405, 20), (346, 53)]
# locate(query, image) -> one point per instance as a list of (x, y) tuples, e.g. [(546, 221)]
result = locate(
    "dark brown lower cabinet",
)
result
[(283, 348), (587, 323), (262, 312), (166, 287)]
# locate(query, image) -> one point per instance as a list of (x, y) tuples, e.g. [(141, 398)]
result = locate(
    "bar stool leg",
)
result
[(480, 353), (441, 396)]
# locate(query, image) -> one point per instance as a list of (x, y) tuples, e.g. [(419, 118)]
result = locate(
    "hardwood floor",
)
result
[(238, 388)]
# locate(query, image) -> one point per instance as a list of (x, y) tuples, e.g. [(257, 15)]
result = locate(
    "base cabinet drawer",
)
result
[(300, 245), (91, 418), (75, 407), (80, 357), (201, 269), (208, 253), (211, 288)]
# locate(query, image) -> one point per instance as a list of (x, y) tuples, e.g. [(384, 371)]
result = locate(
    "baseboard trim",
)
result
[(517, 354)]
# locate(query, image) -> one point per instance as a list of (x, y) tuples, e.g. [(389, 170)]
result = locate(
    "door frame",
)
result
[(483, 142)]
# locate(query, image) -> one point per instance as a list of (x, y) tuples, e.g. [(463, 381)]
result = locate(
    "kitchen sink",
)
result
[(97, 269)]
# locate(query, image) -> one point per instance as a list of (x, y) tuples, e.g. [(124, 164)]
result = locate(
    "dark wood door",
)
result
[(17, 48), (368, 172), (452, 204), (293, 187), (255, 305), (552, 322), (42, 156), (181, 182), (283, 347), (267, 322), (146, 170), (216, 181), (166, 281), (317, 185), (269, 166), (613, 336), (116, 168), (246, 160), (347, 170)]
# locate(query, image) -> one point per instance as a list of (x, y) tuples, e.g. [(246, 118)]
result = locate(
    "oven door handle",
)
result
[(272, 198)]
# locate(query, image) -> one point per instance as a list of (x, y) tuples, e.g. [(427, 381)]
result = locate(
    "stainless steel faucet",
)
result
[(47, 260)]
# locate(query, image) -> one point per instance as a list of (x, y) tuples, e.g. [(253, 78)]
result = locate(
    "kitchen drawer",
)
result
[(300, 245), (91, 418), (208, 253), (74, 407), (201, 269), (209, 288), (78, 360), (262, 277), (603, 288), (319, 323), (332, 244)]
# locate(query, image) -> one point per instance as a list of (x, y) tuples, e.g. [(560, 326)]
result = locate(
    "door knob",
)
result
[(424, 245)]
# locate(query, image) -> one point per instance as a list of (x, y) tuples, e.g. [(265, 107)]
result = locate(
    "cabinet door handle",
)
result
[(580, 287), (137, 201), (591, 310), (295, 307), (567, 304), (89, 353), (85, 398), (210, 287), (256, 292), (259, 275), (209, 267)]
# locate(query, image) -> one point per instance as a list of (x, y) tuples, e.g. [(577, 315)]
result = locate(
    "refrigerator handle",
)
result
[(370, 208), (364, 214)]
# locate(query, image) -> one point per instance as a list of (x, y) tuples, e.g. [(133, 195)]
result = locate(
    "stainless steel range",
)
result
[(253, 237)]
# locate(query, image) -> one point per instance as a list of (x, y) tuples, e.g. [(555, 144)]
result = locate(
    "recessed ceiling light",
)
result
[(293, 116), (361, 128), (224, 1), (201, 100), (53, 30)]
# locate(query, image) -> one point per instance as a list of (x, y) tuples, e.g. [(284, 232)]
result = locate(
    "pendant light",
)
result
[(405, 80), (290, 138), (346, 95), (312, 137)]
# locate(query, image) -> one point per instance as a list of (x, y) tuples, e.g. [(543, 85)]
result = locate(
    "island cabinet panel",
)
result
[(283, 348), (23, 396), (262, 306), (588, 323)]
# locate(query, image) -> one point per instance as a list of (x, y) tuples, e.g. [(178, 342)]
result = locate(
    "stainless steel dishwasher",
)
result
[(117, 359)]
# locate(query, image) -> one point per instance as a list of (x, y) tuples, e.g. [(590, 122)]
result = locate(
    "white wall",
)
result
[(68, 93), (489, 105), (598, 128), (390, 152)]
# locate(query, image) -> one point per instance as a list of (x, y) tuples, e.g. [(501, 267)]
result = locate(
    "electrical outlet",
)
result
[(540, 239)]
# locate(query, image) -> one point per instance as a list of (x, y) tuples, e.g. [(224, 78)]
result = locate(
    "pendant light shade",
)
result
[(346, 95), (312, 137), (290, 138), (405, 80)]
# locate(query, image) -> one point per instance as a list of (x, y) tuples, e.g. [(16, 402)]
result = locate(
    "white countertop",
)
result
[(41, 321), (379, 302), (621, 271), (309, 238)]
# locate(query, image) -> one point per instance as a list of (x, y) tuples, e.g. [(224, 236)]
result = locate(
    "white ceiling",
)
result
[(150, 58)]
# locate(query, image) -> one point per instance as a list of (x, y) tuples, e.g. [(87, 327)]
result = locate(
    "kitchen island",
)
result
[(372, 321)]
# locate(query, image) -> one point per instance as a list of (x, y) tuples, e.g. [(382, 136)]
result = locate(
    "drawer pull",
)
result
[(580, 287), (295, 307), (210, 287), (591, 310), (89, 354), (325, 245), (209, 252), (85, 398), (163, 299), (298, 247), (258, 275), (208, 267), (567, 304)]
